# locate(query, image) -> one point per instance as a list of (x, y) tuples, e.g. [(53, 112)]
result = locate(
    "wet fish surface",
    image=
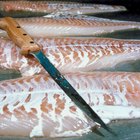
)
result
[(71, 55), (57, 26), (36, 106), (36, 7)]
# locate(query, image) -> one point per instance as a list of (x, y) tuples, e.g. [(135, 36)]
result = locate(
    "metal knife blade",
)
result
[(68, 89)]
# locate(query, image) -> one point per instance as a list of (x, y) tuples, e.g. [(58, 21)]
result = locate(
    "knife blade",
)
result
[(28, 46)]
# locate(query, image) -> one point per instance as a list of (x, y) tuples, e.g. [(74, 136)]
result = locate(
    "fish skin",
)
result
[(50, 6), (71, 55), (43, 27), (36, 106)]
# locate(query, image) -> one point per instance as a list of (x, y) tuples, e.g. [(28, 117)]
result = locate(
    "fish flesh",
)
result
[(43, 27), (45, 7), (71, 55), (36, 106)]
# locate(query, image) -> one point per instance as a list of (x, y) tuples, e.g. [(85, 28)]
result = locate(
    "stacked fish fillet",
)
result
[(35, 106)]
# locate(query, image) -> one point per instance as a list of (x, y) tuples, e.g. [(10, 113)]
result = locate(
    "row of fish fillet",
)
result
[(35, 106), (19, 8)]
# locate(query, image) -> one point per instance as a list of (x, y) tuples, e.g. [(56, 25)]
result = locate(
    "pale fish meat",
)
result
[(8, 7), (71, 55), (42, 27), (36, 106)]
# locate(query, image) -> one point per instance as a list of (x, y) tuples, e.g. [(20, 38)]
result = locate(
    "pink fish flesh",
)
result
[(71, 55), (37, 107), (42, 27), (52, 6)]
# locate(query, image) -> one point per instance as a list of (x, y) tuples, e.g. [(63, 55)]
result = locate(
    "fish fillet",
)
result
[(71, 55), (36, 106), (42, 27), (51, 6)]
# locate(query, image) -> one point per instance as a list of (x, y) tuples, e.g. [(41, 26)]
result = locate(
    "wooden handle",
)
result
[(19, 36), (2, 24)]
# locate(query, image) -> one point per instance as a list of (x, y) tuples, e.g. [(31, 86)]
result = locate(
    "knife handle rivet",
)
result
[(31, 42)]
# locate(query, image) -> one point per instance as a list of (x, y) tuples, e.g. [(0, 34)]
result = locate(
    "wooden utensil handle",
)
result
[(19, 36), (2, 24)]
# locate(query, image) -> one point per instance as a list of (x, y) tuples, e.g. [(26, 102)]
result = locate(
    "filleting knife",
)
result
[(29, 47)]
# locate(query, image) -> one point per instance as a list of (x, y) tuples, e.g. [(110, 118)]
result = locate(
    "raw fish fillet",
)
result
[(71, 55), (36, 106), (36, 7), (42, 27)]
